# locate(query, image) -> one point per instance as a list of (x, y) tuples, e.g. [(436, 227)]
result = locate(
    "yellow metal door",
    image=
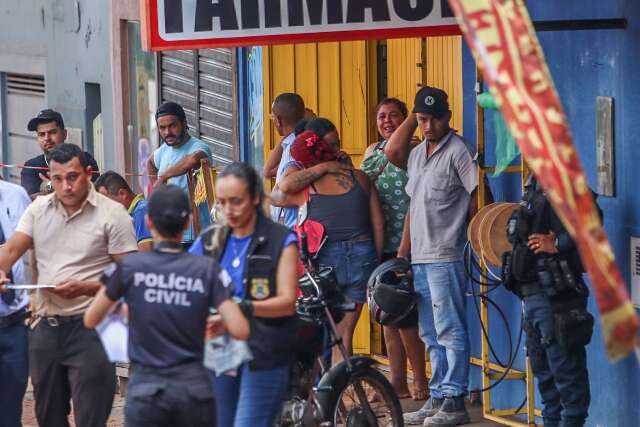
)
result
[(405, 73), (434, 61), (336, 80)]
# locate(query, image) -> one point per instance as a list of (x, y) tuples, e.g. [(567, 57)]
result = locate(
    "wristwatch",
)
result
[(48, 187)]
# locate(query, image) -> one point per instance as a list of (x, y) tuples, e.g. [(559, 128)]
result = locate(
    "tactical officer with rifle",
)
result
[(544, 270)]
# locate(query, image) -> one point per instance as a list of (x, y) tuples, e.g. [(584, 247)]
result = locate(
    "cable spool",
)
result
[(473, 231), (474, 234), (487, 232)]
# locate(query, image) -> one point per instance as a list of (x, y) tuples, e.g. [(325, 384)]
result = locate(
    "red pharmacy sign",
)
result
[(193, 24)]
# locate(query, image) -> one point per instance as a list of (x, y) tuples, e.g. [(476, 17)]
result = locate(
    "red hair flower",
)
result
[(309, 149), (311, 140)]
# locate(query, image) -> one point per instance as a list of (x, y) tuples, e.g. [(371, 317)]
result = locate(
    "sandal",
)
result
[(420, 394)]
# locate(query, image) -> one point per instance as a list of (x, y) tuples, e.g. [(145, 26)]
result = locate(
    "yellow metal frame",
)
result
[(492, 371), (202, 183)]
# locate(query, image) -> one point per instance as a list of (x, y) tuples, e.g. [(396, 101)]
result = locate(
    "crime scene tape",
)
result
[(42, 168), (200, 195)]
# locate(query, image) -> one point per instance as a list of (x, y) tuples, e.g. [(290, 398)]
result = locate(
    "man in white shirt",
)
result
[(287, 110), (13, 311)]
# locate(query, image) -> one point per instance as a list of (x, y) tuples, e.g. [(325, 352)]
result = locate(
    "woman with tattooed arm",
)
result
[(346, 203)]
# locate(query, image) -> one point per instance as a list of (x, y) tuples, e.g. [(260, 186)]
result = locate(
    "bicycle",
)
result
[(350, 394)]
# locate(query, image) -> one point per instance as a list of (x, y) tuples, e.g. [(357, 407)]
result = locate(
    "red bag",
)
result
[(313, 229)]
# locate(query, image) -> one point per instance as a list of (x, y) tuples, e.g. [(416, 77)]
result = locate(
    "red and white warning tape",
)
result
[(46, 169)]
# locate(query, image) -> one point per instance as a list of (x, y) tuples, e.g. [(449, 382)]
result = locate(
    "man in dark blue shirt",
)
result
[(50, 132), (169, 293)]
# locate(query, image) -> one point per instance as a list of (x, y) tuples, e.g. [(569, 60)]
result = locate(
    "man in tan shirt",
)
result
[(75, 233)]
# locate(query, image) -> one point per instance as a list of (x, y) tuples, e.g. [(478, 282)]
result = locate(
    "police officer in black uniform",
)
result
[(544, 270), (169, 294)]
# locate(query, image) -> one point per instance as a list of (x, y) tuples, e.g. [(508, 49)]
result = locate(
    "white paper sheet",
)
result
[(114, 334), (27, 286)]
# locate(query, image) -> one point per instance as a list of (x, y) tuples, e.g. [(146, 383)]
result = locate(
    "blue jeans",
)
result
[(252, 398), (563, 380), (443, 325), (14, 371), (354, 261)]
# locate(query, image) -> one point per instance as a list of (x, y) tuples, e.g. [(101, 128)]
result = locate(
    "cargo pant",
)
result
[(563, 380), (179, 396)]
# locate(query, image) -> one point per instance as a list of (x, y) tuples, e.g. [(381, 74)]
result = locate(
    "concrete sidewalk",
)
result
[(29, 419), (117, 413), (117, 416)]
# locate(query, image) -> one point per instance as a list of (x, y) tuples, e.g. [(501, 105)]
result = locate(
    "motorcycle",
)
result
[(350, 394)]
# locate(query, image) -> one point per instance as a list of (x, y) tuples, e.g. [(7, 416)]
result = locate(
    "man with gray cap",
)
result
[(442, 185), (50, 132), (180, 153)]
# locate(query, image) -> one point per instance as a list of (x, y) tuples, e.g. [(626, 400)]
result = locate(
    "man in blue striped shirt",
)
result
[(13, 310)]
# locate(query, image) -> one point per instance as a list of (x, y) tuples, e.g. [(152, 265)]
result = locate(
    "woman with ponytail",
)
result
[(261, 258)]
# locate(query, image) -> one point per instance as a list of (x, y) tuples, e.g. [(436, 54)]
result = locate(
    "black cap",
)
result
[(431, 100), (171, 108), (168, 203), (45, 116)]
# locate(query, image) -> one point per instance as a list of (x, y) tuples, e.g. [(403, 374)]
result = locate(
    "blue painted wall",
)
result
[(584, 64), (251, 117)]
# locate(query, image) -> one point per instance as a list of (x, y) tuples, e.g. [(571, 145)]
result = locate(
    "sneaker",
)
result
[(429, 409), (452, 413)]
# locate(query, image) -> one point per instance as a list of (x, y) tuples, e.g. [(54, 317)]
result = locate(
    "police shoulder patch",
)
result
[(259, 288)]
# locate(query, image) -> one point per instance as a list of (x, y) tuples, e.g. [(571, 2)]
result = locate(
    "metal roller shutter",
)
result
[(25, 96), (202, 82)]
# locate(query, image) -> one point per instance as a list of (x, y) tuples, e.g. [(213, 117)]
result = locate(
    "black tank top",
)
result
[(344, 216)]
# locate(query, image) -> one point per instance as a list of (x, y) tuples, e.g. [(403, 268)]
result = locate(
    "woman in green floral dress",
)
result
[(402, 341)]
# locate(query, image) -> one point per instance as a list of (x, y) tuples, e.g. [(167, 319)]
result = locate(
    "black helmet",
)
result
[(307, 307), (390, 292)]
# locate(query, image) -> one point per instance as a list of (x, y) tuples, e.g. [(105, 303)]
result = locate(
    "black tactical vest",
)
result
[(535, 215), (271, 339)]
